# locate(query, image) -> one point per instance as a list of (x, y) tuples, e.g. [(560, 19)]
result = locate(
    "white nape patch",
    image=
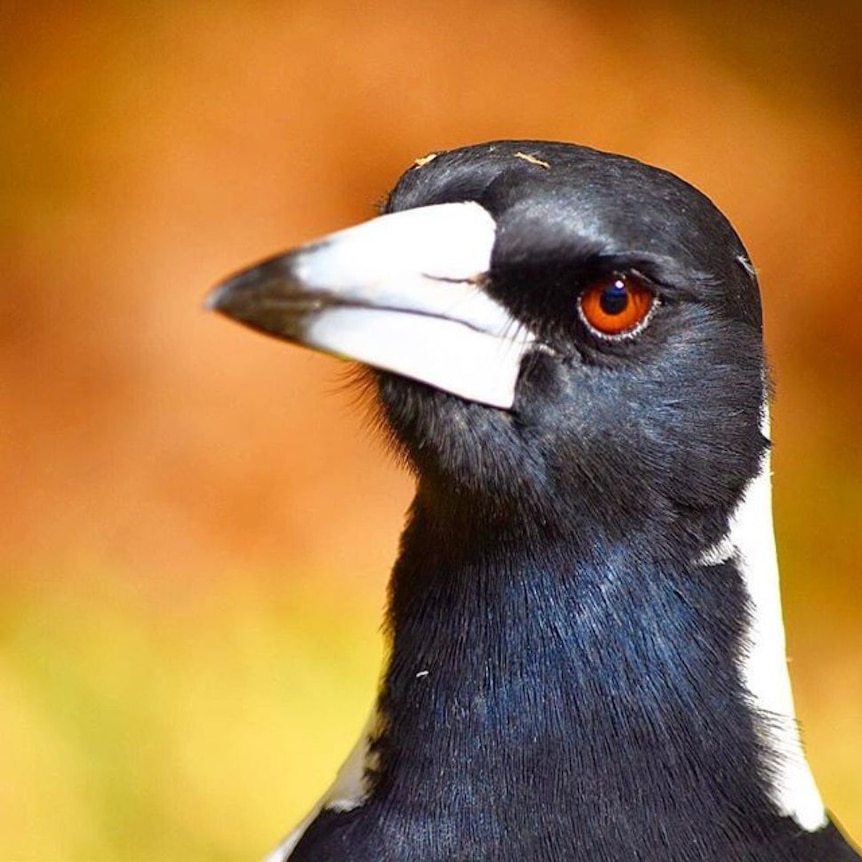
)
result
[(348, 791), (751, 540)]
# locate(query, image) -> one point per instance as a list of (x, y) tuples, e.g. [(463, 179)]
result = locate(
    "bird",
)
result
[(585, 647)]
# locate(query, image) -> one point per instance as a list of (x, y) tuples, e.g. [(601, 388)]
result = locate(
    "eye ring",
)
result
[(616, 307)]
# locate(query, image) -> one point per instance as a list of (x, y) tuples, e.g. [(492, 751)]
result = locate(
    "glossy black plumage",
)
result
[(564, 680)]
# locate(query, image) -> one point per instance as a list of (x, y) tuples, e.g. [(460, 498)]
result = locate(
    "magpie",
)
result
[(586, 655)]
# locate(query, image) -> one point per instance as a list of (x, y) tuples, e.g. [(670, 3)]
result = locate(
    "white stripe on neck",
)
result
[(751, 542), (348, 791)]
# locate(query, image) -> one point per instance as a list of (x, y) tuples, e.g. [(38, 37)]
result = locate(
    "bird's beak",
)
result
[(402, 292)]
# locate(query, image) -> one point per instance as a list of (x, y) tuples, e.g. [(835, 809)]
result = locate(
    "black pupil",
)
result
[(615, 298)]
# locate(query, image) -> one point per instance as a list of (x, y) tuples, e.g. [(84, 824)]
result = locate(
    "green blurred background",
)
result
[(195, 526)]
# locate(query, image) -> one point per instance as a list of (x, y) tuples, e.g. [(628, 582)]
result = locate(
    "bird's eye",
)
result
[(617, 305)]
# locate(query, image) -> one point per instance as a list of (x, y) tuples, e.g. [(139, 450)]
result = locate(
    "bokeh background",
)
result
[(195, 526)]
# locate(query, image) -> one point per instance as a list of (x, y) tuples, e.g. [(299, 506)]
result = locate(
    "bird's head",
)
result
[(557, 335)]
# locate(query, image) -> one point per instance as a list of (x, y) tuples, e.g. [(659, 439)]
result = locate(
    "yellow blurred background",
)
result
[(195, 526)]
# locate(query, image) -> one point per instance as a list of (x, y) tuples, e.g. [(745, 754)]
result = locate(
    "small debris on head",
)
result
[(532, 160), (424, 160), (422, 673), (747, 265)]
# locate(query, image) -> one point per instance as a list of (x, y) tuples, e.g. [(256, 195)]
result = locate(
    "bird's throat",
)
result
[(525, 689)]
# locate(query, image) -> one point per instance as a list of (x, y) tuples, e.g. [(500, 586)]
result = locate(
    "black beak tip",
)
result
[(260, 297), (248, 291), (238, 295), (219, 298)]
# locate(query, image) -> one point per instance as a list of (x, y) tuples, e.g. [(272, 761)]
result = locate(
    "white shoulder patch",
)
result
[(348, 791), (751, 540)]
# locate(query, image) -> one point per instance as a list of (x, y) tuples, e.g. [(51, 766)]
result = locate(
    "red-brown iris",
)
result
[(616, 305)]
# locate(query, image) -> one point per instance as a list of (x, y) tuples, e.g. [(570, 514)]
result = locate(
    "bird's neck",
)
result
[(566, 672)]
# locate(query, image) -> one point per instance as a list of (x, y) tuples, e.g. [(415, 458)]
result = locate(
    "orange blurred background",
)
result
[(195, 526)]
